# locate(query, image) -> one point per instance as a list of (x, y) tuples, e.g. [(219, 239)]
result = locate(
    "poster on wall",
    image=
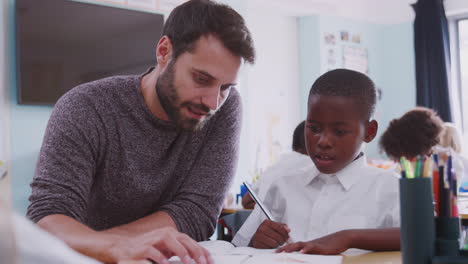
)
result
[(330, 56), (355, 58), (146, 4), (344, 35), (356, 38)]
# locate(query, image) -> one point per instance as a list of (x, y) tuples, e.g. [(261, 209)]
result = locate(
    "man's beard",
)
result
[(171, 104)]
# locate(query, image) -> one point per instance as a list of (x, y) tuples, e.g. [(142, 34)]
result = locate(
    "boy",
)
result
[(341, 202)]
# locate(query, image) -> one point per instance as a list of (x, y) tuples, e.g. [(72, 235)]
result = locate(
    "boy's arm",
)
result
[(386, 239)]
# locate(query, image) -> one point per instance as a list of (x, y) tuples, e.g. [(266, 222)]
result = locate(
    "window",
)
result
[(458, 28), (463, 69)]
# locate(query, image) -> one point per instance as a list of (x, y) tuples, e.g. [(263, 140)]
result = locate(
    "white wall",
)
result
[(4, 95), (456, 7), (273, 84), (269, 90)]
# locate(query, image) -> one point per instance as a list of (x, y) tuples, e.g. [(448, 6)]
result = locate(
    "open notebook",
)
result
[(226, 253)]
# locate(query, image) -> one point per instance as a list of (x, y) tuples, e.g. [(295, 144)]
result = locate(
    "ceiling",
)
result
[(377, 11)]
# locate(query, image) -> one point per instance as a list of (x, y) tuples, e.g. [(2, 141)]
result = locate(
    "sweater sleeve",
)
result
[(67, 160), (199, 200)]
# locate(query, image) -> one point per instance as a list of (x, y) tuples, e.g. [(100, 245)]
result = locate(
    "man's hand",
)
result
[(332, 244), (270, 235), (158, 246)]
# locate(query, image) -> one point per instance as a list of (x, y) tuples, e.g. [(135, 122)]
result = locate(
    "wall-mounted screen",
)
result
[(63, 43)]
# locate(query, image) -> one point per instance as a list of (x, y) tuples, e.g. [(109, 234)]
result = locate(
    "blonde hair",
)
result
[(451, 137)]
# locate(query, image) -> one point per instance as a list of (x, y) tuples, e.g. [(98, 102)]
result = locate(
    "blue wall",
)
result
[(309, 57), (27, 126), (398, 74), (391, 63)]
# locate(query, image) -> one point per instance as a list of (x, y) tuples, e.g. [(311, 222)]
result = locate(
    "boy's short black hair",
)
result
[(298, 138), (347, 83), (415, 133), (196, 18)]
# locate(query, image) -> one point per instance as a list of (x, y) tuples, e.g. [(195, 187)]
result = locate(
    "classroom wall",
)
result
[(390, 58), (456, 7), (27, 126), (398, 79), (309, 61), (270, 91), (4, 107)]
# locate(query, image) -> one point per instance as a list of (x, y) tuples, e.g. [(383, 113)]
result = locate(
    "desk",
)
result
[(391, 257)]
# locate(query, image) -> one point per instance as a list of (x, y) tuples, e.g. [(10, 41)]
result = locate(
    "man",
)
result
[(126, 156)]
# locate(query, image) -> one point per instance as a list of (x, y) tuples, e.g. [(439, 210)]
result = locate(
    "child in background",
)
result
[(341, 202), (451, 139), (297, 159), (414, 133), (421, 131)]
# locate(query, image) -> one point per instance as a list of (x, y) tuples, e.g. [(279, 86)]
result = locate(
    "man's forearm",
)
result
[(143, 225), (387, 239), (80, 237)]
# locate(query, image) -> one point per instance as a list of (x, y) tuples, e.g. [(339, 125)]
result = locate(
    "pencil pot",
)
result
[(447, 236), (417, 220)]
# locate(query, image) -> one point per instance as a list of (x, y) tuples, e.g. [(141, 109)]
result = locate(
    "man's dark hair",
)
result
[(347, 83), (415, 133), (196, 18), (298, 143)]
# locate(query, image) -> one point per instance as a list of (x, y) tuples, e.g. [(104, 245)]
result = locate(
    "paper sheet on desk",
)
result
[(220, 247), (291, 258), (272, 258), (226, 253), (219, 259)]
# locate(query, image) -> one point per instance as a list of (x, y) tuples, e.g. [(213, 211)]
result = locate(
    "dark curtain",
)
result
[(431, 44)]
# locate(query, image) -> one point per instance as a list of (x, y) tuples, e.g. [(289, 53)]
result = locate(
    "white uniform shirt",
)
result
[(289, 162), (313, 204)]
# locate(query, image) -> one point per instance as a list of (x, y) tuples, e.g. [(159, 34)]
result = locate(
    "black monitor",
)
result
[(64, 43)]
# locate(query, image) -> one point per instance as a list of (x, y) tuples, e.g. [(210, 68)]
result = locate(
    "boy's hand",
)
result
[(270, 235), (332, 244)]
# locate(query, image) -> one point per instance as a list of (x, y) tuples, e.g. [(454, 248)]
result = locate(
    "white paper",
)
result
[(225, 252), (218, 259), (287, 258)]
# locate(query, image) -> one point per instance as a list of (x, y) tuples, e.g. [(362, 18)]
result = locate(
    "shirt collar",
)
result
[(347, 176), (311, 172)]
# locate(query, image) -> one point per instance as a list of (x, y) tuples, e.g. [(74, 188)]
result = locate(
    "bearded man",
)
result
[(136, 167)]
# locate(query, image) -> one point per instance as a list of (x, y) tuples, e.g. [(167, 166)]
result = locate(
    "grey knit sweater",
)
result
[(106, 160)]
